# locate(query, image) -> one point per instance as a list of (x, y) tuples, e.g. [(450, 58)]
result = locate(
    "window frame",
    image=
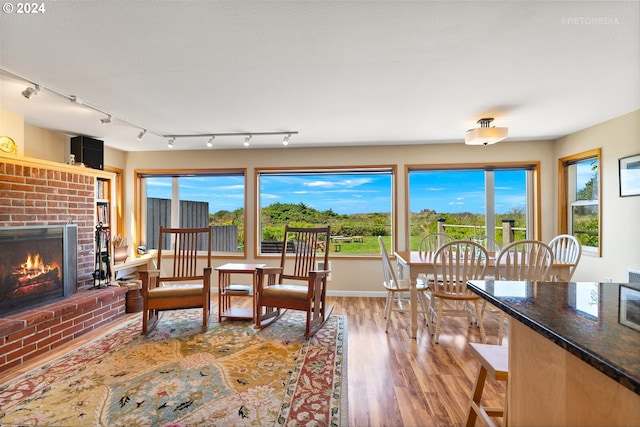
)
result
[(350, 169), (564, 204), (139, 204), (534, 214)]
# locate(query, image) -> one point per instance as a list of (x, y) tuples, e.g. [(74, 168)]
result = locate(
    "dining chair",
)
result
[(454, 264), (431, 242), (185, 284), (521, 260), (398, 289), (566, 250), (491, 244), (298, 283)]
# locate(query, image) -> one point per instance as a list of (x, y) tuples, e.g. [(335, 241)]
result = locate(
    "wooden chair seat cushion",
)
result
[(172, 291), (287, 291)]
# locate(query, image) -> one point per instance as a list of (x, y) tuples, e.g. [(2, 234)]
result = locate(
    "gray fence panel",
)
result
[(192, 215), (225, 238), (158, 214)]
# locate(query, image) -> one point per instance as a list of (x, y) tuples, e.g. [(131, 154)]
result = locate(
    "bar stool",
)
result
[(494, 360)]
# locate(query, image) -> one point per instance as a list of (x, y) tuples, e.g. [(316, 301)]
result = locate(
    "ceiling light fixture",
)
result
[(141, 135), (210, 142), (170, 143), (30, 92), (247, 140), (485, 135), (285, 140)]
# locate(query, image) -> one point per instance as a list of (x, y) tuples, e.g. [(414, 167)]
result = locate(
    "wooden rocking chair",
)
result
[(186, 286), (275, 293)]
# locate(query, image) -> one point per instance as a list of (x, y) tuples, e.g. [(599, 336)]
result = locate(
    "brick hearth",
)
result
[(32, 333)]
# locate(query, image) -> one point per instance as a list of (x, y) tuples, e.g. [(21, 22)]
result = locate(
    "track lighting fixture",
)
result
[(35, 88), (247, 136), (30, 92)]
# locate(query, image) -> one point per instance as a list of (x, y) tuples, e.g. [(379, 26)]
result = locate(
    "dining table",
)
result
[(421, 262)]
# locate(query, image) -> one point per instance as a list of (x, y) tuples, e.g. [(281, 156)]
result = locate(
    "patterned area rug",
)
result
[(232, 375)]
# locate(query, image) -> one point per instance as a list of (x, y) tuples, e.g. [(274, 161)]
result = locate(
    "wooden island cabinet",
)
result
[(574, 357)]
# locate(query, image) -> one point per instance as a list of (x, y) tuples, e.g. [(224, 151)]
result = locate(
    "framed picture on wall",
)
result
[(629, 314), (629, 169)]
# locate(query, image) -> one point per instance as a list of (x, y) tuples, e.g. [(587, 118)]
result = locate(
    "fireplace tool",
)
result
[(102, 272)]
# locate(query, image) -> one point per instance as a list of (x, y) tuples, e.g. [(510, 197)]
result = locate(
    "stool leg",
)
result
[(474, 405)]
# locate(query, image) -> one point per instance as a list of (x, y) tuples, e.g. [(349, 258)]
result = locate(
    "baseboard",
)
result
[(366, 294)]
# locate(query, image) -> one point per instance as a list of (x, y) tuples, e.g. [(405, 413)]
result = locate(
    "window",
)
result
[(194, 199), (579, 192), (474, 201), (356, 202)]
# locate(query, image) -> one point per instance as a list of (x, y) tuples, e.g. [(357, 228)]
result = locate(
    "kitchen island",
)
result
[(574, 351)]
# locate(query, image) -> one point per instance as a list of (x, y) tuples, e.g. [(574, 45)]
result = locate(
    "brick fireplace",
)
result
[(40, 193)]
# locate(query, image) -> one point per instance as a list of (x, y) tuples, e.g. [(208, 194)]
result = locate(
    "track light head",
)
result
[(106, 120), (247, 140), (285, 140), (141, 135), (30, 92), (170, 143)]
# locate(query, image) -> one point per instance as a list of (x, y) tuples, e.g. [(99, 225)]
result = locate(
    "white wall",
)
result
[(617, 138)]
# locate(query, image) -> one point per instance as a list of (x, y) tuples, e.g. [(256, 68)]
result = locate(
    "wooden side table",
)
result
[(227, 290)]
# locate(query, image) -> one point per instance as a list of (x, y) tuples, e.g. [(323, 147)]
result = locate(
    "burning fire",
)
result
[(34, 266)]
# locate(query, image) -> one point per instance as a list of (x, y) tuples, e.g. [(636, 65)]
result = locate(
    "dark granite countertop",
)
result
[(597, 322)]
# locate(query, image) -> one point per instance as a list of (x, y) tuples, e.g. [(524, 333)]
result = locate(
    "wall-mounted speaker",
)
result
[(88, 151)]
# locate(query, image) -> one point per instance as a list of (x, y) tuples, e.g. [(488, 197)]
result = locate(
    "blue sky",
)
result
[(222, 192), (344, 193), (445, 192), (464, 191)]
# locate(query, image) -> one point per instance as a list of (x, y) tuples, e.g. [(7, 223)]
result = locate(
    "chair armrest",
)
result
[(320, 273), (149, 280), (268, 270), (266, 276), (317, 284)]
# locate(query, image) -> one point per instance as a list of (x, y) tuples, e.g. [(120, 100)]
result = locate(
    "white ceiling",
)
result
[(339, 72)]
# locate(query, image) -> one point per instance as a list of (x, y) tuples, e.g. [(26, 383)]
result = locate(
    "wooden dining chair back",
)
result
[(521, 260), (431, 242), (489, 243), (566, 250), (298, 283), (180, 280), (524, 260), (398, 298), (454, 264)]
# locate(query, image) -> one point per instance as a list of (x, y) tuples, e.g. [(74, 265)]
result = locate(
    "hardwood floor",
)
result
[(393, 380), (398, 381)]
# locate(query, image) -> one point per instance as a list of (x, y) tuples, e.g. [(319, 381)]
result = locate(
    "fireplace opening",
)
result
[(38, 265)]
